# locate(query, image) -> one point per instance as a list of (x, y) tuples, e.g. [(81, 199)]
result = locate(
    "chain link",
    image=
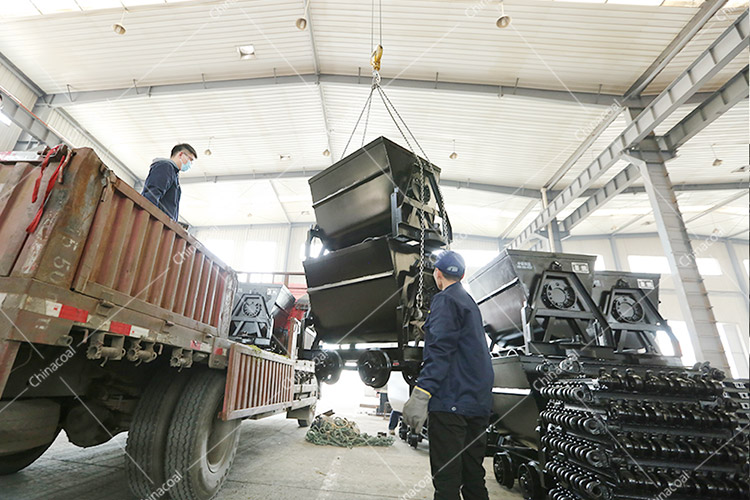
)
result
[(422, 250)]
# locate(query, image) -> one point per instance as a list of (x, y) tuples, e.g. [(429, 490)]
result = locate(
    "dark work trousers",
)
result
[(457, 445), (393, 422)]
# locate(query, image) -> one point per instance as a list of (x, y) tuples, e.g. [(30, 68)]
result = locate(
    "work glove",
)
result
[(415, 410)]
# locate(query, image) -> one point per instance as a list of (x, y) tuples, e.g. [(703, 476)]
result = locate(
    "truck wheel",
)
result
[(201, 447), (147, 438), (10, 464)]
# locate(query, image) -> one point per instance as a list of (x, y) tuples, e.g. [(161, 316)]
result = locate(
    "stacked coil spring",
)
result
[(643, 433)]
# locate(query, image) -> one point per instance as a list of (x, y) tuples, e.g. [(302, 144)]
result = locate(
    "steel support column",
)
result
[(688, 282), (738, 274), (615, 253)]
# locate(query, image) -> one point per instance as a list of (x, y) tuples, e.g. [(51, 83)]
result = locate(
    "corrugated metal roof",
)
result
[(506, 140), (554, 45), (510, 140), (170, 43), (251, 129)]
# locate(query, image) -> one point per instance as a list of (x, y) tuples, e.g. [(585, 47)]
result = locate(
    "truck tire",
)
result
[(147, 438), (10, 464), (200, 446)]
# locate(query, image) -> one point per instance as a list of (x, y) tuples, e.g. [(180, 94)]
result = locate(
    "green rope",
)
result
[(337, 431)]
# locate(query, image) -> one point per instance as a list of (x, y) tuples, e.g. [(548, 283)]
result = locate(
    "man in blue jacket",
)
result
[(455, 386), (162, 186)]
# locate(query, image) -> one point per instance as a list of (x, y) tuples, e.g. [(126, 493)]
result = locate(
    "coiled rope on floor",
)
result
[(339, 431)]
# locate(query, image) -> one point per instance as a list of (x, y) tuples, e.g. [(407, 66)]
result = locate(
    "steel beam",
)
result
[(688, 282), (721, 101), (259, 176), (722, 203), (631, 97), (704, 14), (734, 91), (145, 92), (30, 122), (34, 126), (521, 192), (615, 186), (509, 229), (723, 50)]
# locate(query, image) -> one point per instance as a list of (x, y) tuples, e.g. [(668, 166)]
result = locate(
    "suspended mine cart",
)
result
[(116, 319), (590, 399), (379, 215)]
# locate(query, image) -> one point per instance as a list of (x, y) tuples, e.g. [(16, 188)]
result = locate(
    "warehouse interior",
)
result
[(524, 105)]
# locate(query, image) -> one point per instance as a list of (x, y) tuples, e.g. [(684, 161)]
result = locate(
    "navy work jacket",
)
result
[(457, 369), (162, 187)]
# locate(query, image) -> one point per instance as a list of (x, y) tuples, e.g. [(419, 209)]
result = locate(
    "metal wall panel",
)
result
[(9, 133)]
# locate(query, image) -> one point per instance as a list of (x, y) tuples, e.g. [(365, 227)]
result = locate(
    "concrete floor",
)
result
[(274, 461)]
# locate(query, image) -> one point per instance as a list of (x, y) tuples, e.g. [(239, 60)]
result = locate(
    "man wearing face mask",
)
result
[(162, 187), (454, 387)]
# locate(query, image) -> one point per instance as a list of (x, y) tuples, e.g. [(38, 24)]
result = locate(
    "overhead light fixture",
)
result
[(207, 152), (326, 153), (503, 21), (717, 162), (301, 22), (285, 157), (743, 168), (119, 28), (246, 51), (454, 155)]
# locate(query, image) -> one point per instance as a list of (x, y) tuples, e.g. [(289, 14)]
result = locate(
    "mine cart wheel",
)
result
[(503, 467), (530, 481), (200, 446), (10, 464), (374, 367), (328, 367), (410, 372), (147, 437), (413, 439), (403, 431)]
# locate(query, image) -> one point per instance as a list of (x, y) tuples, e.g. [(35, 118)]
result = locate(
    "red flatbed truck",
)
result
[(113, 318)]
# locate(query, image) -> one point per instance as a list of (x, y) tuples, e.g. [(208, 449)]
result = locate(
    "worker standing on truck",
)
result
[(162, 187), (455, 386)]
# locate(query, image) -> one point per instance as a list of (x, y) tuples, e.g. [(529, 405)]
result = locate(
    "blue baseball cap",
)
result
[(451, 264)]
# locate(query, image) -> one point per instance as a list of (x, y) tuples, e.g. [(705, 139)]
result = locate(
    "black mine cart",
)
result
[(590, 399)]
